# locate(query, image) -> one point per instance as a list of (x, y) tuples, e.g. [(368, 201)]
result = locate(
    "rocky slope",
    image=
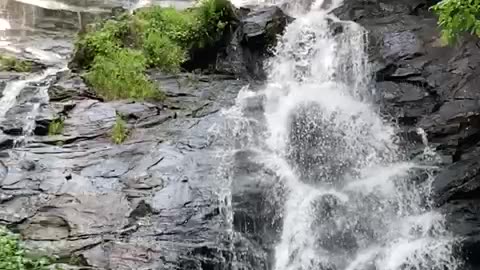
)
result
[(158, 200), (425, 85), (153, 202)]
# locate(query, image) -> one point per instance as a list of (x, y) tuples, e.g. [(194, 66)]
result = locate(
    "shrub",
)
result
[(56, 127), (98, 41), (456, 17), (119, 131), (163, 53), (12, 64), (14, 257), (117, 52), (120, 75)]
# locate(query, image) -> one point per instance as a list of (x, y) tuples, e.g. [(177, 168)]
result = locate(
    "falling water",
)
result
[(353, 202), (13, 89)]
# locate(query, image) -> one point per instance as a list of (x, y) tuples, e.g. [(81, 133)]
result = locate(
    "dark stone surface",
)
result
[(425, 85), (157, 201), (252, 42), (148, 203)]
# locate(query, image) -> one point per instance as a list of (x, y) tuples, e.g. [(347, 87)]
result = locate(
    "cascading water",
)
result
[(352, 202)]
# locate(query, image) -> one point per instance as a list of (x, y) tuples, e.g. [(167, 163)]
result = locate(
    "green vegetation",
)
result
[(14, 257), (56, 127), (121, 76), (116, 53), (119, 131), (8, 63), (457, 17)]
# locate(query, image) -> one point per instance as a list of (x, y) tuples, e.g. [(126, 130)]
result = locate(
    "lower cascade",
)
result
[(349, 199)]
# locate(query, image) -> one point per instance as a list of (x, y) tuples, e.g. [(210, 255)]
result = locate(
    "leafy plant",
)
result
[(100, 40), (117, 53), (120, 75), (12, 64), (214, 15), (119, 131), (56, 126), (457, 17), (14, 257), (163, 53)]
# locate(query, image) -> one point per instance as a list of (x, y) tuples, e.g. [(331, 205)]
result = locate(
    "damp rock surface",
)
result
[(154, 202)]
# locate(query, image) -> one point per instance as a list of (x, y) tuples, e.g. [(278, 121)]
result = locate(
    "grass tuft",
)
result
[(56, 127), (119, 131), (120, 75)]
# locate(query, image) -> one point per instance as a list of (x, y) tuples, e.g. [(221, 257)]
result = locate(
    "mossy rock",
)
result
[(10, 63)]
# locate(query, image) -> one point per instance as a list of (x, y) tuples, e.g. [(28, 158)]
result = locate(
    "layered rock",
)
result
[(154, 202), (423, 84), (157, 201)]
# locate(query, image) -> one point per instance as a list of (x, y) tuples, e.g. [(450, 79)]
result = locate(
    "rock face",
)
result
[(424, 85), (252, 41), (158, 201)]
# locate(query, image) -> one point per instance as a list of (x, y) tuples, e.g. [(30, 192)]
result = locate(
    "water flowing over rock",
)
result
[(341, 136)]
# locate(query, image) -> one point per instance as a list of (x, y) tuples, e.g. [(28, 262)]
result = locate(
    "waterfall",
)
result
[(352, 200)]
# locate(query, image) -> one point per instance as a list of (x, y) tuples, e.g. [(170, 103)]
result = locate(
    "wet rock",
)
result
[(150, 202), (68, 86), (251, 42), (422, 84), (459, 181)]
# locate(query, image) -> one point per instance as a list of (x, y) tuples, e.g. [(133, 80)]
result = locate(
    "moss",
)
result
[(8, 63), (14, 257), (56, 127), (119, 131), (117, 53)]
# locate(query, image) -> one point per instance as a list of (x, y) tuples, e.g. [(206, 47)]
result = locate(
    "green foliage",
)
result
[(12, 64), (56, 127), (99, 42), (214, 16), (120, 75), (456, 17), (119, 131), (117, 52), (14, 257), (162, 52)]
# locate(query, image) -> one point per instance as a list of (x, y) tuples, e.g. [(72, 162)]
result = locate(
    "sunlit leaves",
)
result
[(456, 17)]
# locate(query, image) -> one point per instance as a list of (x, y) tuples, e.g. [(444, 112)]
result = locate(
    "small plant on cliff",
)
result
[(14, 257), (457, 17), (119, 131), (56, 127)]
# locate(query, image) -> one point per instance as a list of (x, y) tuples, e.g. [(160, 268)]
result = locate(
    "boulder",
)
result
[(252, 42)]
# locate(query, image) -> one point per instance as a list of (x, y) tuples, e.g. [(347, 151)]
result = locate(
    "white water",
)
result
[(351, 202), (13, 89)]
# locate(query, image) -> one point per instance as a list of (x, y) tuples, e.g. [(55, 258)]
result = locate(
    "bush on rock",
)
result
[(14, 257), (457, 17), (117, 52)]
